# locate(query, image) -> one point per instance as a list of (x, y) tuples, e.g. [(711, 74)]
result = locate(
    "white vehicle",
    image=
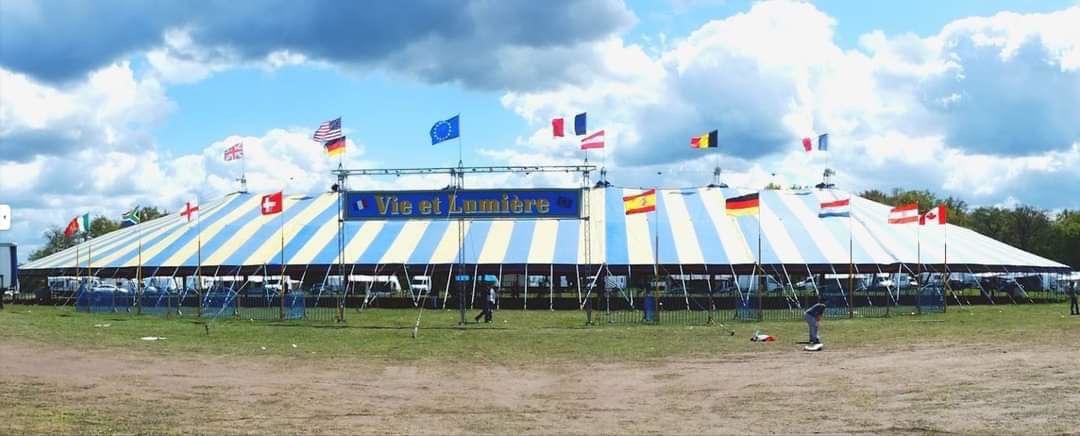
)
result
[(107, 287), (420, 285)]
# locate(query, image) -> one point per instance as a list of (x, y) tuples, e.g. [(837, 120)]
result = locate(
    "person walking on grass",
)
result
[(813, 320), (489, 307)]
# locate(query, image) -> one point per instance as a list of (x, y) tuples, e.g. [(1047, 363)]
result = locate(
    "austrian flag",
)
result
[(904, 214)]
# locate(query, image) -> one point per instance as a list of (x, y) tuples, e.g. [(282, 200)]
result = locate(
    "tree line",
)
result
[(1053, 236), (55, 240)]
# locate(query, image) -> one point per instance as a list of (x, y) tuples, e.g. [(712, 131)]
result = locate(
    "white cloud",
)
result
[(985, 109)]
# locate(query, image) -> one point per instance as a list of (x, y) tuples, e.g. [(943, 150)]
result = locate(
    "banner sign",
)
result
[(465, 203)]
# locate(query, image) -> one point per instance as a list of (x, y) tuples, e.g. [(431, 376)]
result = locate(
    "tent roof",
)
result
[(690, 227)]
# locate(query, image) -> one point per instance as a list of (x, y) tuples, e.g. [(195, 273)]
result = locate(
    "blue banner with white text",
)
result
[(465, 203)]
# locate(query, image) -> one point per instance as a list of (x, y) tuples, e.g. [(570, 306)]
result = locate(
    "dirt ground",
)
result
[(964, 389)]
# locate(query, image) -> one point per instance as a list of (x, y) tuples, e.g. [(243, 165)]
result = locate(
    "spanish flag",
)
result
[(335, 147), (742, 205), (638, 203), (706, 140)]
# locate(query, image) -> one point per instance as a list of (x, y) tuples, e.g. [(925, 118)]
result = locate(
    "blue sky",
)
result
[(976, 99)]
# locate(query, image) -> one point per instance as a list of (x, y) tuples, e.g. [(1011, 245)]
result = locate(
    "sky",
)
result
[(136, 101)]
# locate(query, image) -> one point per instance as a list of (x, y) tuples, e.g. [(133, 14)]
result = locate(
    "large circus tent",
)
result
[(688, 233)]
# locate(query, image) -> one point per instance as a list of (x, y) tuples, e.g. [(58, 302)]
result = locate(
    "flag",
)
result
[(596, 140), (445, 129), (191, 211), (936, 215), (638, 203), (271, 203), (579, 124), (234, 152), (904, 214), (328, 131), (705, 140), (822, 143), (335, 147), (130, 217), (743, 205), (72, 228), (557, 127), (835, 208)]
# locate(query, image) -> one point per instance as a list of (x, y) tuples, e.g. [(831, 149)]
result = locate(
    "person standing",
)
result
[(1074, 309), (489, 306), (813, 320)]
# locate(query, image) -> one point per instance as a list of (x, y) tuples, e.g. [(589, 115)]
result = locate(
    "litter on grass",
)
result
[(153, 338)]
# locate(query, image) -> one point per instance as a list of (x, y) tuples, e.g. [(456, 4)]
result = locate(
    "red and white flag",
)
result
[(191, 211), (936, 215), (234, 152), (271, 203), (595, 140), (904, 214)]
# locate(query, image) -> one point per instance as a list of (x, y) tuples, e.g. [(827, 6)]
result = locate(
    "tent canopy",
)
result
[(690, 228)]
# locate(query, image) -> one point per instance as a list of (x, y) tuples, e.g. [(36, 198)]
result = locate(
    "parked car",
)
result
[(106, 287)]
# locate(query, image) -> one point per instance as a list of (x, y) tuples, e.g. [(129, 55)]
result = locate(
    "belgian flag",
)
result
[(705, 140)]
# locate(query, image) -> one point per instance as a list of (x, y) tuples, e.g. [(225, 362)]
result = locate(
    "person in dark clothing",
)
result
[(489, 307), (1074, 309), (813, 320)]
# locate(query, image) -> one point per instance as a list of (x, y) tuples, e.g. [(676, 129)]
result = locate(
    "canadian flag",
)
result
[(271, 203), (904, 214), (934, 216)]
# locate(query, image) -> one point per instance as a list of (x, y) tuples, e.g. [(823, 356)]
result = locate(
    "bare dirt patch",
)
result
[(938, 388)]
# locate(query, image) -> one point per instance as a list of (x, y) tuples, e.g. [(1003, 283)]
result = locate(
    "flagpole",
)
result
[(459, 159), (138, 271), (281, 233), (198, 266), (761, 269), (944, 299), (851, 264)]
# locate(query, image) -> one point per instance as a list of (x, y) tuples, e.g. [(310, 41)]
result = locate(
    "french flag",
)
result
[(822, 143), (835, 208)]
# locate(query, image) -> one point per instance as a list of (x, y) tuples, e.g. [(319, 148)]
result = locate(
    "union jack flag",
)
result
[(234, 152), (328, 131)]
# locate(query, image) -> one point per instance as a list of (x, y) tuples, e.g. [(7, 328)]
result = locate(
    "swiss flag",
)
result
[(271, 203), (934, 216), (807, 145)]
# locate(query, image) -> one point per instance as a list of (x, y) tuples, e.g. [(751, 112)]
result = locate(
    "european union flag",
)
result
[(445, 129), (823, 142)]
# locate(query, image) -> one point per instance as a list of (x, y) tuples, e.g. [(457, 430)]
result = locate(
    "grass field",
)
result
[(991, 369)]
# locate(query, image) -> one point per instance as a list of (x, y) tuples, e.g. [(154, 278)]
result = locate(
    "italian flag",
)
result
[(79, 224)]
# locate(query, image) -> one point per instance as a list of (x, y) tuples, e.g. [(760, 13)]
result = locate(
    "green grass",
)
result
[(516, 336)]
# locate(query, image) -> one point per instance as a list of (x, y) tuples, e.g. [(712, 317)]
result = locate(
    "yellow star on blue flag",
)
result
[(445, 129)]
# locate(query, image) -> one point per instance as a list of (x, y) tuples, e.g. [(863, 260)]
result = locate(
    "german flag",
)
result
[(638, 203), (705, 140), (335, 147), (742, 205)]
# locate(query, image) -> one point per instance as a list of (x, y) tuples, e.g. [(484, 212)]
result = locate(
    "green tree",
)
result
[(100, 225)]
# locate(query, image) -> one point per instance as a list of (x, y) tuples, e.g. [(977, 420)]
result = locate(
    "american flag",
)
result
[(328, 131), (234, 152)]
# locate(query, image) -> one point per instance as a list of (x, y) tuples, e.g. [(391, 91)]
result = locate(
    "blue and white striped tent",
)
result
[(690, 227)]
